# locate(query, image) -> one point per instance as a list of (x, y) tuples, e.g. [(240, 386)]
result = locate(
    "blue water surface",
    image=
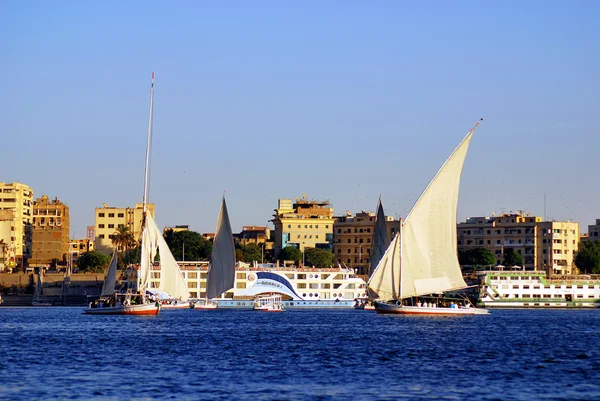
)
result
[(58, 353)]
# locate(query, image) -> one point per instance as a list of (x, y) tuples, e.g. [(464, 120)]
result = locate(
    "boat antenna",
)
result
[(148, 148)]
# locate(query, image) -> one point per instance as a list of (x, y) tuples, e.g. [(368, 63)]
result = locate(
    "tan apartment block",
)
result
[(51, 227), (303, 224), (109, 218), (528, 235), (18, 198), (353, 238)]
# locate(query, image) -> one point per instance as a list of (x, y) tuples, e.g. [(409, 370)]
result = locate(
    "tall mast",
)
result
[(148, 146)]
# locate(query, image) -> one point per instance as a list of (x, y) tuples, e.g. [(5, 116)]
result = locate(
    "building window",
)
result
[(111, 226), (101, 236), (289, 226), (111, 215), (339, 230), (121, 215), (326, 225), (100, 225), (100, 214)]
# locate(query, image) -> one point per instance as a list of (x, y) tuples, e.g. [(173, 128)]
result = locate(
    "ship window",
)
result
[(192, 275), (240, 284), (241, 276), (515, 287), (301, 276), (325, 286), (192, 284)]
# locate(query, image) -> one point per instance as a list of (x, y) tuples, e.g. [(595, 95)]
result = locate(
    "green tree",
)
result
[(188, 245), (123, 239), (251, 253), (290, 253), (482, 257), (512, 258), (93, 261), (587, 258), (239, 255), (318, 257)]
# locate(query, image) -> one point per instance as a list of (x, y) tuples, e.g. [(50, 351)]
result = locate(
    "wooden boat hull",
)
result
[(386, 308), (144, 309)]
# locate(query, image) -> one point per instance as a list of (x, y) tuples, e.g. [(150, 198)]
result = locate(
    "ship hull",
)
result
[(145, 309), (387, 308)]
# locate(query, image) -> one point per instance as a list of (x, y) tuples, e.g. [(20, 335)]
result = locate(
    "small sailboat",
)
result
[(421, 263), (130, 303), (221, 269), (39, 297)]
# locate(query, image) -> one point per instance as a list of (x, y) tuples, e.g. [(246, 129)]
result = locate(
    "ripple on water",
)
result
[(59, 353)]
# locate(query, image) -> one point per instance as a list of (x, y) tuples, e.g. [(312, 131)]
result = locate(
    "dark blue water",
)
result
[(59, 353)]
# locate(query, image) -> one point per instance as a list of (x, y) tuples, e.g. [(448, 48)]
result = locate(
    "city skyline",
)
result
[(341, 101)]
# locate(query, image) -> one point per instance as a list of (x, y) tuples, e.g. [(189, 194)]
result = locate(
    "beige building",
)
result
[(303, 224), (353, 238), (18, 198), (51, 227), (545, 245), (109, 218)]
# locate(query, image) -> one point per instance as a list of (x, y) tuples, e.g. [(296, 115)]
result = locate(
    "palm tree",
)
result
[(123, 239)]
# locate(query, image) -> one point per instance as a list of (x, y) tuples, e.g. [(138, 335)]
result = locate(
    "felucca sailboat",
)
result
[(130, 303), (221, 269), (421, 262)]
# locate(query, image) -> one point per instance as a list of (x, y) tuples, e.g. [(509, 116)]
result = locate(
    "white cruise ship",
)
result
[(533, 289), (299, 287)]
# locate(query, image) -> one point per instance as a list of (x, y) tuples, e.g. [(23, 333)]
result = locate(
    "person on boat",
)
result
[(119, 304), (452, 305)]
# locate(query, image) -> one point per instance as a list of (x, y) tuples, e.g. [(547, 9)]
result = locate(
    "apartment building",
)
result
[(7, 251), (50, 233), (594, 231), (17, 198), (108, 218), (303, 224), (353, 238), (544, 245), (78, 247), (254, 235)]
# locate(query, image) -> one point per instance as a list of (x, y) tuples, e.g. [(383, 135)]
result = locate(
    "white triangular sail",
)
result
[(428, 243), (149, 247), (108, 287), (171, 279), (385, 280), (221, 273)]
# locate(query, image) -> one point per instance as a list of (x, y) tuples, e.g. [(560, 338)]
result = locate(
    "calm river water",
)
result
[(59, 353)]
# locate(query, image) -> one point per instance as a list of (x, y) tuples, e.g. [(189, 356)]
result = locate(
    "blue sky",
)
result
[(341, 100)]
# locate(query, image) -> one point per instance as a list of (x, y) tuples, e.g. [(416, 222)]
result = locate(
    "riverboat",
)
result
[(535, 289), (299, 287)]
